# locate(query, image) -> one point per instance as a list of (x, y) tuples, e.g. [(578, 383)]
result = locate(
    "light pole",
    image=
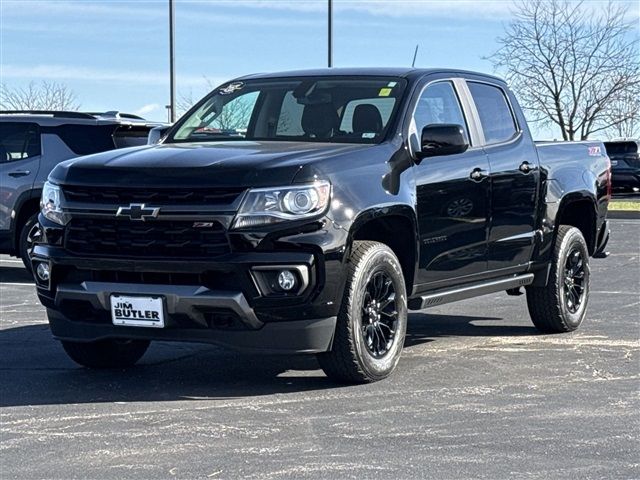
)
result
[(330, 34), (172, 66)]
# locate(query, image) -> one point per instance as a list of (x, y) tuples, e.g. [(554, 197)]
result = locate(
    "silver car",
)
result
[(32, 143)]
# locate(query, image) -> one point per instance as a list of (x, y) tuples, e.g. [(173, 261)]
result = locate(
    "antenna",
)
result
[(415, 54)]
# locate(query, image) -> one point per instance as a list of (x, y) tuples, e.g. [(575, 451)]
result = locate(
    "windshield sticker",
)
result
[(384, 92), (392, 84), (368, 135), (232, 87)]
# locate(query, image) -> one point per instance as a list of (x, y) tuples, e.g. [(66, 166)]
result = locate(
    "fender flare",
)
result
[(383, 211), (574, 197)]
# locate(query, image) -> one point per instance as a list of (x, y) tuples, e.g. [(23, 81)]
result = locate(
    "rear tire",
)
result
[(26, 238), (112, 353), (561, 305), (372, 322)]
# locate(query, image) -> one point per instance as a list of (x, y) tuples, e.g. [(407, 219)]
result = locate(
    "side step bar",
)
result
[(447, 296)]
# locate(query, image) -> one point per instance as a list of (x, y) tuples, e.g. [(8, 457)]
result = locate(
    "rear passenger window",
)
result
[(495, 115), (18, 141), (85, 139)]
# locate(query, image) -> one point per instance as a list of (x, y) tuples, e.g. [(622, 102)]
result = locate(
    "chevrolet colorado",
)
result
[(307, 212)]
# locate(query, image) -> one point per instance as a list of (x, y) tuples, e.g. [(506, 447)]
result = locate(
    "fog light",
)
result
[(42, 270), (286, 280)]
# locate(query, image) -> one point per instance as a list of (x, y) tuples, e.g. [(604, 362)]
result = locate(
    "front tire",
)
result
[(28, 233), (372, 322), (561, 305), (112, 353)]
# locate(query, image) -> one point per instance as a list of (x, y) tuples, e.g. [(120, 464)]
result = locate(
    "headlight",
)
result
[(265, 206), (51, 204)]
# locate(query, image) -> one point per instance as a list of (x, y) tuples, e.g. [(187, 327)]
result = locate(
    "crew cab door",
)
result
[(515, 177), (452, 194)]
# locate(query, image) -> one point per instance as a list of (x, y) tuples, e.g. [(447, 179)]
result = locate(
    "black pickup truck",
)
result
[(307, 212)]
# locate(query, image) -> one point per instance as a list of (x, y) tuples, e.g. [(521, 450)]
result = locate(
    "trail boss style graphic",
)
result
[(307, 212)]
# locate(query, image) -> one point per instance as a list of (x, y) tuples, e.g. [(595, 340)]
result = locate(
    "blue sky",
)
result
[(114, 54)]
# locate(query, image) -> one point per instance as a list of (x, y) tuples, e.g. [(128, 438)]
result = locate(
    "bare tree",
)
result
[(185, 100), (42, 96), (569, 66), (235, 114), (624, 115)]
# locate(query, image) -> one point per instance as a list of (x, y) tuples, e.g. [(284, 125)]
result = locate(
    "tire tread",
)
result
[(544, 303), (341, 362)]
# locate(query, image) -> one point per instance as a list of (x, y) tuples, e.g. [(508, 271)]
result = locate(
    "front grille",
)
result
[(156, 239), (155, 196)]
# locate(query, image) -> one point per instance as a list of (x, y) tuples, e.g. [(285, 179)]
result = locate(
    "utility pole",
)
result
[(172, 65), (330, 34)]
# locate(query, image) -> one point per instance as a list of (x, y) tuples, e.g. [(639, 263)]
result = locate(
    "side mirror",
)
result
[(156, 134), (442, 139)]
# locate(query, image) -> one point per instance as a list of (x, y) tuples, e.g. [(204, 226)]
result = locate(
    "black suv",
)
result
[(306, 212), (625, 164)]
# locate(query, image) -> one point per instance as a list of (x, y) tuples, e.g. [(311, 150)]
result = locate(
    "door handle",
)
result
[(526, 167), (19, 173), (478, 174)]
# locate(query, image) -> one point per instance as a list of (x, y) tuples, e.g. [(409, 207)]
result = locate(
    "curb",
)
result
[(623, 215)]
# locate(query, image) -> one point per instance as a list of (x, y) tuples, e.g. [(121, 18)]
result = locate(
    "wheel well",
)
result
[(397, 232), (27, 209), (580, 214)]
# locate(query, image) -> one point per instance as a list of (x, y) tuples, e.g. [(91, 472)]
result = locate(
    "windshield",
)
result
[(312, 109)]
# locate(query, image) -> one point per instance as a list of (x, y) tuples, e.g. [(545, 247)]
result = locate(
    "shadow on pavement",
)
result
[(425, 327), (35, 370), (15, 275)]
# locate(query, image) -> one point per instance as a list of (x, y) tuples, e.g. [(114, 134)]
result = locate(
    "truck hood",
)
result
[(225, 164)]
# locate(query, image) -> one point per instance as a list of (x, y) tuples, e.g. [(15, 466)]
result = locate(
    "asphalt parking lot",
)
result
[(478, 394)]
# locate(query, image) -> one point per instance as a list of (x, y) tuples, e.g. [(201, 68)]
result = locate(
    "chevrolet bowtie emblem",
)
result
[(138, 211)]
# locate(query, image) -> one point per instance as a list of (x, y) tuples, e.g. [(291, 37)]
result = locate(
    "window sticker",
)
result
[(384, 92), (368, 135), (392, 84), (232, 87)]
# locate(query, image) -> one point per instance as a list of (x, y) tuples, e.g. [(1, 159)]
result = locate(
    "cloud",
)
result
[(308, 12), (89, 74), (147, 109)]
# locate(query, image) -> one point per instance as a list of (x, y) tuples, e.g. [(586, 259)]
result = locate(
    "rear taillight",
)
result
[(608, 179)]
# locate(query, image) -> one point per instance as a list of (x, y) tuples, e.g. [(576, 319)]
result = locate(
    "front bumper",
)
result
[(214, 302), (302, 336)]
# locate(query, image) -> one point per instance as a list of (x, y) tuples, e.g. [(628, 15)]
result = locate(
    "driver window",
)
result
[(439, 104)]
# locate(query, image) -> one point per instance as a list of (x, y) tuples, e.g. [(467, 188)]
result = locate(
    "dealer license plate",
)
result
[(137, 311)]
